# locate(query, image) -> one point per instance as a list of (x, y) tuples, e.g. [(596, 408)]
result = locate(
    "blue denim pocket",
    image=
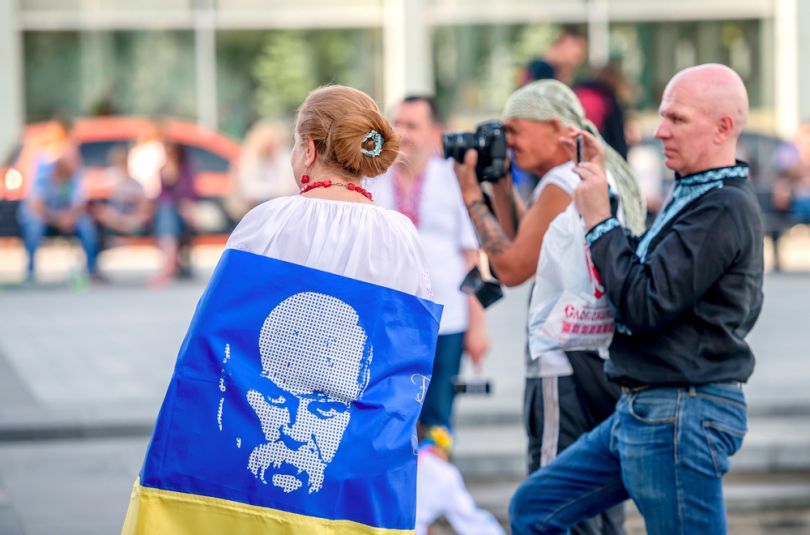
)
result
[(723, 442), (724, 422), (646, 418), (654, 406)]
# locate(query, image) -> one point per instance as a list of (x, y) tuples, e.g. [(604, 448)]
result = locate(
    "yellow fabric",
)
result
[(157, 512)]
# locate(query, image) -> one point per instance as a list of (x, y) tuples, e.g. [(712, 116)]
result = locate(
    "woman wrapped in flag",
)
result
[(293, 403)]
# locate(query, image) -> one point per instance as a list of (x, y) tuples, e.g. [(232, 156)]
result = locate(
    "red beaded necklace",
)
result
[(328, 184)]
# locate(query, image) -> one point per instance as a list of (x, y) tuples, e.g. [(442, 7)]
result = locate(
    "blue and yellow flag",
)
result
[(292, 408)]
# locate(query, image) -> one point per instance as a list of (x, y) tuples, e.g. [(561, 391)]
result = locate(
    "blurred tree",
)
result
[(284, 72), (161, 74), (236, 55), (293, 62)]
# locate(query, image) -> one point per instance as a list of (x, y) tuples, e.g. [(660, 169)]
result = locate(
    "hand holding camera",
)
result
[(468, 182), (489, 143)]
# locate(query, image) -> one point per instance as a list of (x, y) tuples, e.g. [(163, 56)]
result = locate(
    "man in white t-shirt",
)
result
[(422, 186), (567, 393)]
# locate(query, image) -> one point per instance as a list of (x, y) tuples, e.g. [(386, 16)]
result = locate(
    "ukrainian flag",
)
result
[(292, 408)]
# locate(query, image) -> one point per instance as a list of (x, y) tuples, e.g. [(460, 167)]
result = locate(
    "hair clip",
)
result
[(378, 143)]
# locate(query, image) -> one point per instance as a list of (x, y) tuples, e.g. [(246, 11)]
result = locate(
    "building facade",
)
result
[(226, 62)]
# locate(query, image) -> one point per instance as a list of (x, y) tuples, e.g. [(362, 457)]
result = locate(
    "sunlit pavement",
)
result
[(83, 369)]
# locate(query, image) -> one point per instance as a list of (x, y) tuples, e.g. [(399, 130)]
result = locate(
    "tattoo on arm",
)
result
[(490, 234)]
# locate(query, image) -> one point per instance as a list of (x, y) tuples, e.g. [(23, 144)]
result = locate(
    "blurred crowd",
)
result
[(148, 192), (791, 189)]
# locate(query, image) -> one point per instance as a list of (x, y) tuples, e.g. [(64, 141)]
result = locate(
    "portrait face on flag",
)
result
[(295, 390), (315, 363)]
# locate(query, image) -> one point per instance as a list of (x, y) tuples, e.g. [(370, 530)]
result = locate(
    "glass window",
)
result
[(652, 52), (206, 161), (103, 73), (97, 153)]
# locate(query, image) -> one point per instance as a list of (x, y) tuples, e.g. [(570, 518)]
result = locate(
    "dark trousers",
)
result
[(557, 410), (437, 408)]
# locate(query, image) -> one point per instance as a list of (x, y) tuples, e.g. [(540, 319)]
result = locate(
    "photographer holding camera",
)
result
[(566, 393)]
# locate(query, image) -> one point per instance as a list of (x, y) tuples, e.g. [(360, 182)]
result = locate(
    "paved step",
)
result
[(497, 449), (776, 503)]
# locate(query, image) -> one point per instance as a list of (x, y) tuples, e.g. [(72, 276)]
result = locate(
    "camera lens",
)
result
[(456, 144)]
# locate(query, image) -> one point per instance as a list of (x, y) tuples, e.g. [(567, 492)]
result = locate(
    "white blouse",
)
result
[(360, 241)]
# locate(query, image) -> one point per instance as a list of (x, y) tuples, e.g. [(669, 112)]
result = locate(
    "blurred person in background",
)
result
[(174, 209), (146, 159), (440, 490), (127, 210), (791, 190), (55, 203), (561, 61), (263, 171), (604, 95), (566, 393), (421, 186)]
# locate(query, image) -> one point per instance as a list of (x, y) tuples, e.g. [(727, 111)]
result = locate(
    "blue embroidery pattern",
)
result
[(737, 171), (687, 190), (601, 229)]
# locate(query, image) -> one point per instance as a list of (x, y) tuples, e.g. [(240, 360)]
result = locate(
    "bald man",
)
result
[(685, 295)]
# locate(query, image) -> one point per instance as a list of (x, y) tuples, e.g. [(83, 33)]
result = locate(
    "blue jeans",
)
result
[(666, 448), (35, 228), (437, 408)]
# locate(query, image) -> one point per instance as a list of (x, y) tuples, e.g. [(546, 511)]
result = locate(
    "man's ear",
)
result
[(725, 128), (558, 127)]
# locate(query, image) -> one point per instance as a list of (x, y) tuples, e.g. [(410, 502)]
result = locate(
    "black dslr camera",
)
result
[(488, 140)]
